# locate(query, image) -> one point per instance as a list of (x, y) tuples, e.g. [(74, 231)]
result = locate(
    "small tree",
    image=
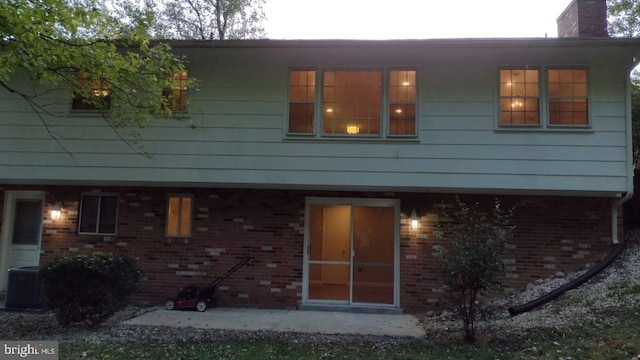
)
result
[(471, 253)]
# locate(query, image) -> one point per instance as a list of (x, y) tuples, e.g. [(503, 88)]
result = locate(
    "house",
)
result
[(314, 158)]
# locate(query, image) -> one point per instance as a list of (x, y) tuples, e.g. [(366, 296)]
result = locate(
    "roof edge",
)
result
[(338, 43)]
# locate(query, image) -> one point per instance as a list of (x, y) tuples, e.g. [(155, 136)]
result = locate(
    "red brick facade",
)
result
[(584, 18), (553, 234)]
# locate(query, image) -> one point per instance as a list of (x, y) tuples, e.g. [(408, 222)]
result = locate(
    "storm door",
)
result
[(351, 251), (21, 232)]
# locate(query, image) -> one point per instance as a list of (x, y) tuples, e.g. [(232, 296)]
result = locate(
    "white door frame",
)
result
[(10, 197), (312, 200)]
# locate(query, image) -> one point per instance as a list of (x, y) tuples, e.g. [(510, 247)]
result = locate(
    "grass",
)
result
[(614, 337), (263, 349)]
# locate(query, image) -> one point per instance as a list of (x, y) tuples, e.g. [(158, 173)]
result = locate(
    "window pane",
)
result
[(301, 101), (185, 217), (531, 89), (402, 119), (302, 115), (26, 222), (89, 214), (108, 212), (352, 102), (531, 76), (568, 112), (173, 215), (402, 85)]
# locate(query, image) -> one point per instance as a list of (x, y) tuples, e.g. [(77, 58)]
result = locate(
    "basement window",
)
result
[(98, 214), (179, 209)]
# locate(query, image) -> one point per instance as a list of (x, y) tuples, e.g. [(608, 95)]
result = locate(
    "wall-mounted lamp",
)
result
[(56, 211), (414, 219)]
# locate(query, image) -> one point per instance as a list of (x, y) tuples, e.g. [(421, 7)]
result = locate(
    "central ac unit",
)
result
[(23, 290)]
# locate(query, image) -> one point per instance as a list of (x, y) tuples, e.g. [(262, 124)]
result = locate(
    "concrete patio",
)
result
[(323, 322)]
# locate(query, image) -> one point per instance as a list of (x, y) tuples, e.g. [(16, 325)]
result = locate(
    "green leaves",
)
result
[(50, 41), (198, 19), (471, 252), (624, 17)]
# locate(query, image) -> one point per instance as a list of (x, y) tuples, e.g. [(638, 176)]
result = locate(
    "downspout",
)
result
[(630, 170), (616, 246)]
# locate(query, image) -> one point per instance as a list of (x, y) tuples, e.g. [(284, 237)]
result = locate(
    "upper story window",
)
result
[(365, 103), (177, 97), (554, 97), (302, 88), (98, 214), (402, 102), (91, 95)]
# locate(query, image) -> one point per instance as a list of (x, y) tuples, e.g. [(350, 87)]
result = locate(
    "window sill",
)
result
[(97, 234), (79, 113), (179, 115), (177, 240), (346, 138), (555, 128)]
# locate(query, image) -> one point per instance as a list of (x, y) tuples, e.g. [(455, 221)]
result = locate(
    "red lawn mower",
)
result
[(190, 297)]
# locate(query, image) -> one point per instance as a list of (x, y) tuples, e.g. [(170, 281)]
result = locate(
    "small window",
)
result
[(177, 97), (91, 95), (98, 214), (519, 97), (302, 85), (568, 101), (402, 102), (179, 215)]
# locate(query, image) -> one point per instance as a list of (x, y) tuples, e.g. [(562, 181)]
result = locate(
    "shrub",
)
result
[(89, 288), (471, 253)]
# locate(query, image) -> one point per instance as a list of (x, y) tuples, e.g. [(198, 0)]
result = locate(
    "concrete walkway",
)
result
[(323, 322)]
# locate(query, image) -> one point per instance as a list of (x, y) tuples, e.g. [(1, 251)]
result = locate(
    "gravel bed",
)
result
[(584, 303), (606, 290)]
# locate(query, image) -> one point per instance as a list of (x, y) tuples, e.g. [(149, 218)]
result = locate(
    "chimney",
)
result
[(584, 19)]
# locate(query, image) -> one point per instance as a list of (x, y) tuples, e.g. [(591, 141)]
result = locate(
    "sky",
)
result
[(411, 19)]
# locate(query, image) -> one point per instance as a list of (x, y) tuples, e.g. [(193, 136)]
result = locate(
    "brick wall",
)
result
[(553, 234), (583, 18), (227, 224)]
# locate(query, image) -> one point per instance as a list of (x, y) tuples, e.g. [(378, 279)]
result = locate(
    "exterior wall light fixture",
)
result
[(56, 211), (414, 219)]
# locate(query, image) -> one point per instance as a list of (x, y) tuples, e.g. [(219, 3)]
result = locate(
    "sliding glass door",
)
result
[(351, 251)]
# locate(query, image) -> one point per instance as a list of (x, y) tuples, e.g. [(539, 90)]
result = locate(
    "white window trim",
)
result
[(543, 87), (384, 113)]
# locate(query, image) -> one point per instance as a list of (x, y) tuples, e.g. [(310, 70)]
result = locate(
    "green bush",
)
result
[(471, 252), (89, 288)]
